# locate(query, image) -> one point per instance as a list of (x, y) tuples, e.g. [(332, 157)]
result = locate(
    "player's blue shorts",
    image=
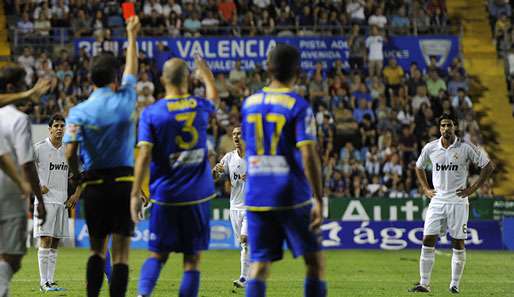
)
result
[(180, 229), (267, 231)]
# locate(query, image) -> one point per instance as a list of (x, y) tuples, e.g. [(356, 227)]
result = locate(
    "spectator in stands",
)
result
[(60, 14), (173, 24), (192, 25), (171, 6), (355, 8), (414, 81), (457, 82), (378, 19), (434, 83), (400, 22), (357, 48), (318, 89), (237, 75), (152, 6), (375, 44), (25, 25), (393, 76), (154, 24), (81, 24), (228, 11), (501, 31), (461, 100)]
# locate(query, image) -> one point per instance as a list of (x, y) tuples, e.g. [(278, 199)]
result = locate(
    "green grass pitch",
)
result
[(349, 273)]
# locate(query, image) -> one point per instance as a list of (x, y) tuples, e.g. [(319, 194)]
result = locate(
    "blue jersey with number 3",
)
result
[(176, 128), (275, 123)]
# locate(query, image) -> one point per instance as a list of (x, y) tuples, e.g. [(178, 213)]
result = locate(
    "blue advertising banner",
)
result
[(222, 53), (398, 235), (393, 235), (508, 232)]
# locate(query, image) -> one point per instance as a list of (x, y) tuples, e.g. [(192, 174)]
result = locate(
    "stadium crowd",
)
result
[(373, 116), (102, 19)]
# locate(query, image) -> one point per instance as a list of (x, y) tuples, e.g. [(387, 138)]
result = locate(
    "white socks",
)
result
[(52, 260), (245, 261), (43, 256), (458, 261), (426, 262), (5, 278)]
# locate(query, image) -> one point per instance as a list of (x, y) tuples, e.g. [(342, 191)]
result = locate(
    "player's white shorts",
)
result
[(239, 224), (56, 224), (443, 217)]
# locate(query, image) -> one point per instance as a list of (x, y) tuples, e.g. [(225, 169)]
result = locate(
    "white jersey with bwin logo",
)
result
[(235, 168), (52, 168), (450, 167)]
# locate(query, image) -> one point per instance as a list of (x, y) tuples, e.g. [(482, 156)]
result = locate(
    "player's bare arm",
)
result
[(73, 163), (485, 173), (206, 76), (131, 64), (30, 172), (141, 169), (8, 166), (425, 187), (40, 88), (312, 170)]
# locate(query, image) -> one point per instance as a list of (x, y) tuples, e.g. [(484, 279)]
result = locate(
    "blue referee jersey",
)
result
[(104, 126)]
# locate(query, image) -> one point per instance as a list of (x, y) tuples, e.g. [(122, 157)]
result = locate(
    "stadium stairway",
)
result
[(5, 48), (492, 106)]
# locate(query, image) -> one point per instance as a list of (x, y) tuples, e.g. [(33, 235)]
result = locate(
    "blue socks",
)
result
[(190, 284), (148, 276), (107, 269), (255, 288), (314, 288)]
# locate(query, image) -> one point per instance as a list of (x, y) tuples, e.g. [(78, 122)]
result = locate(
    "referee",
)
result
[(104, 128)]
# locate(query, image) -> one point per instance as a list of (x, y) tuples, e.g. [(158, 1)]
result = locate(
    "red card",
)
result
[(129, 10)]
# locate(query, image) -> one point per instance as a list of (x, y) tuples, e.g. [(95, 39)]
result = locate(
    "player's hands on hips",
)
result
[(41, 213), (44, 190), (133, 25), (466, 192), (316, 216), (430, 193)]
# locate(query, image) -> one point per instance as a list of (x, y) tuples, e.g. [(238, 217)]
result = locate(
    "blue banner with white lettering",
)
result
[(221, 53), (392, 235)]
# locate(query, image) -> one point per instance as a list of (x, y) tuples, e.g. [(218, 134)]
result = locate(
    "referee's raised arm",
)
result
[(131, 65)]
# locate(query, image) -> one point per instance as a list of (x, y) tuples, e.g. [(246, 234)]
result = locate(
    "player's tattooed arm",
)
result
[(425, 187), (485, 173)]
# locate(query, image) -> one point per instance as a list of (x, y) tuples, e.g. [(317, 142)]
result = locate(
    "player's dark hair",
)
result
[(56, 118), (104, 69), (447, 116), (284, 62), (14, 75)]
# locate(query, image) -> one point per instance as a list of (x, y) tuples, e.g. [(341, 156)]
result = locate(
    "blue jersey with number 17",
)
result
[(180, 173), (275, 123)]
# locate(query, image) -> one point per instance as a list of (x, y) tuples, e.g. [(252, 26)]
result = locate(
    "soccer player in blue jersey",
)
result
[(283, 173), (104, 128), (172, 143)]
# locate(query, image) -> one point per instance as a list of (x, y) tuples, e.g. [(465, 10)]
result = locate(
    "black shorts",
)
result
[(107, 202)]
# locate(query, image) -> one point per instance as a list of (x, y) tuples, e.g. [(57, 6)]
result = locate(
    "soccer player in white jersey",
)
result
[(233, 165), (448, 211), (53, 175), (16, 130)]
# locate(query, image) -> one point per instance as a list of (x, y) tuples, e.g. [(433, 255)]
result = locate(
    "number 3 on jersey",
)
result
[(278, 119), (189, 119)]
